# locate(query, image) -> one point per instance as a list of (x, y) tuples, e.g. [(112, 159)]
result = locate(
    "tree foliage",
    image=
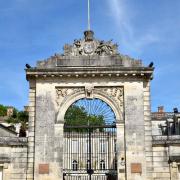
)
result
[(77, 116), (3, 110), (19, 117)]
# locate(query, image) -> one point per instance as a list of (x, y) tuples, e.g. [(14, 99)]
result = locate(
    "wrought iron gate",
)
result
[(90, 153)]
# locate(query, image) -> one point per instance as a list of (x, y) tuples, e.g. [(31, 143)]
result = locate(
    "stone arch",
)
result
[(69, 100)]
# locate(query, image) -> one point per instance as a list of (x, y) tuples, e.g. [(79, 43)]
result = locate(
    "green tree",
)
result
[(19, 117), (77, 116), (3, 110)]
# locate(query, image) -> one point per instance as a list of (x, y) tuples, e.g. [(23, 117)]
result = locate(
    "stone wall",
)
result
[(13, 158), (160, 163), (49, 132), (166, 159)]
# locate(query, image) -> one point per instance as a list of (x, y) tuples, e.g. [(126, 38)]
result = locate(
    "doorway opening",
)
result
[(90, 141)]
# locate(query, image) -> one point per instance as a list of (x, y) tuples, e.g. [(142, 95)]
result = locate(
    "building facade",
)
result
[(139, 148), (166, 144)]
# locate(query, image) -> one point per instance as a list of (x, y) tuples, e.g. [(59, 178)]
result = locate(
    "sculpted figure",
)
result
[(80, 47), (77, 43), (67, 49), (77, 50), (104, 48)]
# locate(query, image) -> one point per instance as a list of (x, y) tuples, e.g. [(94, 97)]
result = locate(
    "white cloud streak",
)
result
[(122, 15)]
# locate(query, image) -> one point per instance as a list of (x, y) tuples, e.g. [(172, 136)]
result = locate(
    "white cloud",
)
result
[(123, 17)]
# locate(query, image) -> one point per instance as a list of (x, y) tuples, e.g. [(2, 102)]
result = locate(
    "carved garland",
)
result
[(62, 93), (115, 93)]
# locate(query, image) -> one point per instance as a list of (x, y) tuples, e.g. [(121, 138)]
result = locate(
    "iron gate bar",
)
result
[(105, 137), (89, 170)]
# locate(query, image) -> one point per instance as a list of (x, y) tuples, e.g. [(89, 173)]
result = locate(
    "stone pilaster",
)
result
[(31, 130), (134, 131), (120, 151), (58, 154), (148, 129)]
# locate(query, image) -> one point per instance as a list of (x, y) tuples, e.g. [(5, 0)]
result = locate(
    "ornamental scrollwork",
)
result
[(90, 46), (114, 92), (63, 92)]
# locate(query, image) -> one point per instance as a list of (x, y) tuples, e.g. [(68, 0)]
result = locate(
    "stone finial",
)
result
[(88, 35)]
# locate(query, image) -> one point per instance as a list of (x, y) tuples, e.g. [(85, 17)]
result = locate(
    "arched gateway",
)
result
[(90, 139), (89, 71)]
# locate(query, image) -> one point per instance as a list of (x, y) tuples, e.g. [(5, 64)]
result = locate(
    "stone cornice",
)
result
[(130, 72), (166, 140)]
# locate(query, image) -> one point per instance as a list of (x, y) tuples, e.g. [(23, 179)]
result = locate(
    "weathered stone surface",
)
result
[(90, 69), (13, 141)]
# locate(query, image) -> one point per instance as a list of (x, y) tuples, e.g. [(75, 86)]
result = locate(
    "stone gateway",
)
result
[(92, 70)]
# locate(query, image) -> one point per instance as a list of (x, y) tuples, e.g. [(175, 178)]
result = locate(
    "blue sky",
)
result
[(32, 30)]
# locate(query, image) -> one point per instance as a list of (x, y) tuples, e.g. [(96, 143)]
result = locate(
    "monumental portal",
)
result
[(114, 135), (90, 69)]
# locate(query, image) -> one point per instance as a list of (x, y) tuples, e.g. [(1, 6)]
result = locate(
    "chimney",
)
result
[(161, 109), (160, 113)]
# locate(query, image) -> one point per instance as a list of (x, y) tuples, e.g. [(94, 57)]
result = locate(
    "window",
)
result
[(75, 165), (102, 165), (1, 173)]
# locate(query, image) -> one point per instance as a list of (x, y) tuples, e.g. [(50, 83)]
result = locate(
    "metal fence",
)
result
[(90, 153)]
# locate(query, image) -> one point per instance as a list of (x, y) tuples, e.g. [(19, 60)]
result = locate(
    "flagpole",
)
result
[(89, 21)]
